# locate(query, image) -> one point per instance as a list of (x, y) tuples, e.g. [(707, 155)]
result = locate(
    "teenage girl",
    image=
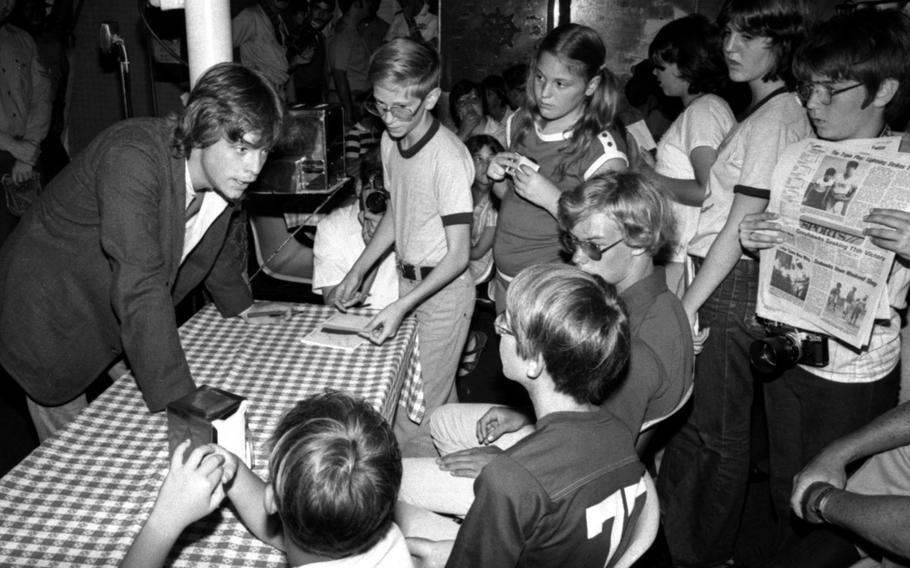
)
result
[(689, 65), (704, 473), (568, 128)]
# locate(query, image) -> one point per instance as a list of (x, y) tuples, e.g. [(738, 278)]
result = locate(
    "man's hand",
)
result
[(468, 463), (895, 236), (759, 231), (497, 421), (825, 467), (385, 324), (192, 489), (428, 553), (21, 172)]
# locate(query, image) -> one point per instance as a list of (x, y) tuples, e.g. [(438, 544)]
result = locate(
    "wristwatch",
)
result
[(814, 500)]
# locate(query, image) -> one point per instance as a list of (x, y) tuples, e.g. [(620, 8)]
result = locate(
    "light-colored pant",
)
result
[(429, 489), (49, 419), (443, 321)]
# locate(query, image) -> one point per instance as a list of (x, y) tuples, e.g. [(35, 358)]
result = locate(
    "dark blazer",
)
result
[(93, 271)]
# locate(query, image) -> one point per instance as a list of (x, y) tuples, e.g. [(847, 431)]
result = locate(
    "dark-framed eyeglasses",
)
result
[(501, 325), (400, 112), (592, 250), (823, 92)]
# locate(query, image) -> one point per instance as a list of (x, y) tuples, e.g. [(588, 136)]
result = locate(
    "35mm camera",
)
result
[(785, 346)]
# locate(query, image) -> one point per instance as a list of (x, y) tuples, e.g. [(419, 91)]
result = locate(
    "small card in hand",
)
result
[(210, 415)]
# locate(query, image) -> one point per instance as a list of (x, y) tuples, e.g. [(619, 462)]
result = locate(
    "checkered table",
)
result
[(82, 496)]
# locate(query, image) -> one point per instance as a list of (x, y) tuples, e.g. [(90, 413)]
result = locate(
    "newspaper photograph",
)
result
[(827, 276)]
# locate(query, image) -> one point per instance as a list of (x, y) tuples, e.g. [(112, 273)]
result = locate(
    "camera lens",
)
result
[(376, 202), (774, 353)]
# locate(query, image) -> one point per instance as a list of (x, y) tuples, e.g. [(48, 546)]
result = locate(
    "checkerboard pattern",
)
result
[(82, 496)]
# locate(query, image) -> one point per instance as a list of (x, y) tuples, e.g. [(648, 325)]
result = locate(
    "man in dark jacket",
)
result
[(134, 223)]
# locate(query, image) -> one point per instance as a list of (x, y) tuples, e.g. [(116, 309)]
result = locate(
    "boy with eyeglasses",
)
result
[(571, 493), (428, 173), (854, 78), (614, 225)]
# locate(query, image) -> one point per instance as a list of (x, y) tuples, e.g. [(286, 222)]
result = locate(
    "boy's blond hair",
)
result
[(407, 63)]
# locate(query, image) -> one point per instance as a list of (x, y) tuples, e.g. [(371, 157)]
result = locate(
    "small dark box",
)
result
[(310, 156), (208, 415)]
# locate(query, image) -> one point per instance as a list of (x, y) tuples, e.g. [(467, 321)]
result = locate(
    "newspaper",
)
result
[(827, 276)]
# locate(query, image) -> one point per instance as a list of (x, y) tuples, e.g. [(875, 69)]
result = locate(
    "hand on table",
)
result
[(468, 463), (346, 293), (192, 488), (497, 421), (229, 467), (385, 324)]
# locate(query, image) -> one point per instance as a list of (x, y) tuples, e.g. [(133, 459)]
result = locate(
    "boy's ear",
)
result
[(592, 85), (432, 98), (535, 366), (886, 91), (271, 506)]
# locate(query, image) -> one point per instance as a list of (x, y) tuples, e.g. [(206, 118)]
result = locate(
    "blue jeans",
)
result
[(704, 473), (805, 414)]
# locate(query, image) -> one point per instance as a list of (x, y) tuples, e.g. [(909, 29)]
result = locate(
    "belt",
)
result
[(411, 272)]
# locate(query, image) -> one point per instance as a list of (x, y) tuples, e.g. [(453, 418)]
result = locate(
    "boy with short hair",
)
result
[(428, 173), (854, 80), (334, 475), (570, 493)]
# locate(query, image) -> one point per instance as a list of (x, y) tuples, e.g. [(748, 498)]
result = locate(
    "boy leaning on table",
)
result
[(334, 474), (428, 173)]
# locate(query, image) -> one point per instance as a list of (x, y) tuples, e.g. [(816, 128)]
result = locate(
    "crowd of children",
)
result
[(655, 319)]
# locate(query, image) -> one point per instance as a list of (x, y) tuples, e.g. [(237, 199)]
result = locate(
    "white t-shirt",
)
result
[(337, 247), (746, 160), (390, 552), (874, 361), (705, 122)]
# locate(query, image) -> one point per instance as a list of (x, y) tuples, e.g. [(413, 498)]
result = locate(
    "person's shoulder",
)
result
[(710, 106), (19, 35), (342, 215)]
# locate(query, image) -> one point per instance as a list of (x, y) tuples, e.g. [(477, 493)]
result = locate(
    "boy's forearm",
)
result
[(247, 493), (725, 252), (382, 241), (155, 540)]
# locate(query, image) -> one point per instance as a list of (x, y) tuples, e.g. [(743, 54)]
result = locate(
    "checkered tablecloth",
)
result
[(82, 496)]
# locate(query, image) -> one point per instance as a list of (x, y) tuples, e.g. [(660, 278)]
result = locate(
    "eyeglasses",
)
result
[(823, 91), (501, 325), (592, 250), (398, 111)]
